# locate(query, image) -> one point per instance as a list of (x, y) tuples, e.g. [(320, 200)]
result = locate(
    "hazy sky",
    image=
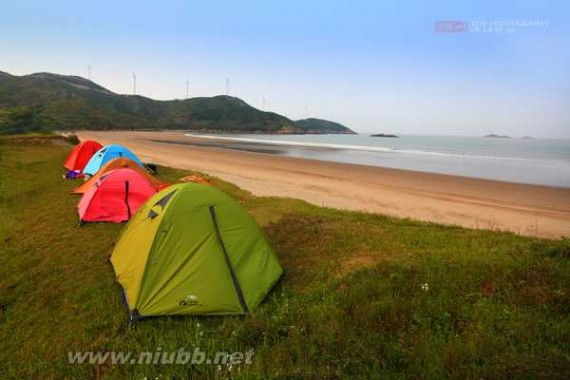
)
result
[(369, 65)]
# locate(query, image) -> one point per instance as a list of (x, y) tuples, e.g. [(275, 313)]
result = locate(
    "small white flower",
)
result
[(425, 287), (201, 333)]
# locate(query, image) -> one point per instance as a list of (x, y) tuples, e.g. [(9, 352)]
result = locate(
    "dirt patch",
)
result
[(353, 264)]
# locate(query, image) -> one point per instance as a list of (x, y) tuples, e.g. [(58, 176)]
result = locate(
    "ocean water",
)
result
[(532, 161)]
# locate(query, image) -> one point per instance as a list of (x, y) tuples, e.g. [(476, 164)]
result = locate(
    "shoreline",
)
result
[(532, 210), (276, 149)]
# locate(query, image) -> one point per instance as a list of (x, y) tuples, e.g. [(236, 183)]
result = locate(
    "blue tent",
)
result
[(107, 153)]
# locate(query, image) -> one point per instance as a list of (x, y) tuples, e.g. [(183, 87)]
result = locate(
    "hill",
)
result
[(46, 101), (312, 125)]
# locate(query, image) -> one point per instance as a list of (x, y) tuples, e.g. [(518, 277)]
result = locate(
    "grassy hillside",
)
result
[(363, 296), (47, 101)]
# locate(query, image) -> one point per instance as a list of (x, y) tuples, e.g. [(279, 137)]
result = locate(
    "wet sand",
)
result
[(468, 202)]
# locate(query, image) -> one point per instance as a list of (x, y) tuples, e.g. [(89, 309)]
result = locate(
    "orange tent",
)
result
[(195, 178), (119, 163)]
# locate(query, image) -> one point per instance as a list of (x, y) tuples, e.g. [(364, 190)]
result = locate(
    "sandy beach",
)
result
[(473, 203)]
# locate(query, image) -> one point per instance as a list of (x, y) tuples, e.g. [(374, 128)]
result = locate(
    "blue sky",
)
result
[(369, 65)]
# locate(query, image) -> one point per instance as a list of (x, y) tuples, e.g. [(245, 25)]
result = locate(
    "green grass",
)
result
[(353, 302)]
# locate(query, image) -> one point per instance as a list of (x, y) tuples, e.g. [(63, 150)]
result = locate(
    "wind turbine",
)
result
[(227, 86), (187, 88), (134, 83), (89, 71), (263, 103)]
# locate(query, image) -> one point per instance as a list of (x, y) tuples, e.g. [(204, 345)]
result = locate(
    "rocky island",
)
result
[(494, 136), (388, 135)]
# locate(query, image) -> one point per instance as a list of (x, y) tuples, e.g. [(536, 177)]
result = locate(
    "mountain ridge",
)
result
[(47, 101)]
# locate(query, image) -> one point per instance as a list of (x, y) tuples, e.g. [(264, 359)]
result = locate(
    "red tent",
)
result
[(80, 155), (115, 197)]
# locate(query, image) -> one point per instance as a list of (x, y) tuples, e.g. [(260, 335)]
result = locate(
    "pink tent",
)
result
[(115, 197)]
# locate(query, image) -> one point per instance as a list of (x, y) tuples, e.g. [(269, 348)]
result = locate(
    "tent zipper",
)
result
[(127, 199)]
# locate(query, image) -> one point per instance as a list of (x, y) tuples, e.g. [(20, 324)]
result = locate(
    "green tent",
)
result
[(193, 250)]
